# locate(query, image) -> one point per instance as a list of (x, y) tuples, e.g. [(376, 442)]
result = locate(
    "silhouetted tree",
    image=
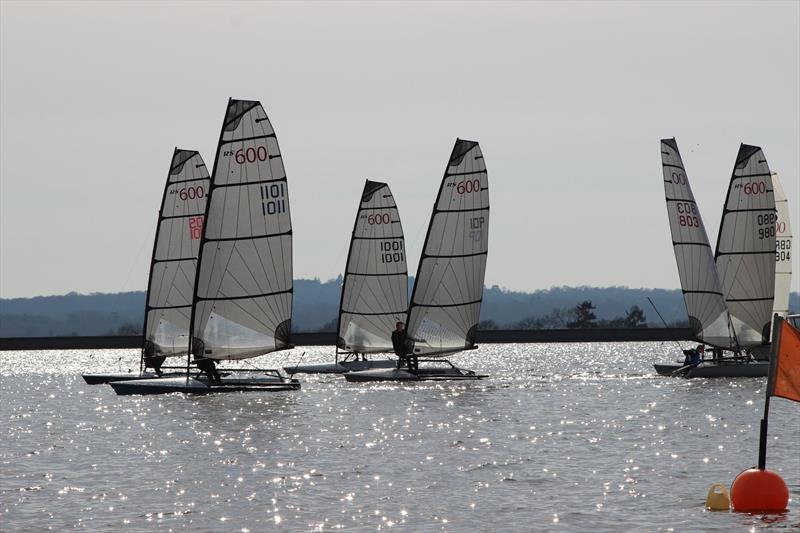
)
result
[(635, 318), (330, 325), (129, 329), (584, 316), (487, 324)]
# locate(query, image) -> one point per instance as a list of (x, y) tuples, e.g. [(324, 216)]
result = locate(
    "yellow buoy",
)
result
[(718, 498)]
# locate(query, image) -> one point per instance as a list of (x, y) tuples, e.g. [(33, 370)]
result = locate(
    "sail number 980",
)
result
[(392, 251), (767, 222)]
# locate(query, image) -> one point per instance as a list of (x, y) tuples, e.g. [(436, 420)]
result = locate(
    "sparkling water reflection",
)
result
[(572, 437)]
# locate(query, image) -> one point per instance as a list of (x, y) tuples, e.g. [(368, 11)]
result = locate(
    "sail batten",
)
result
[(700, 284), (745, 252), (445, 305), (243, 295), (174, 260), (375, 283)]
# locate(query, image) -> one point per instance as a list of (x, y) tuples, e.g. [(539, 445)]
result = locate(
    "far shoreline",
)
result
[(501, 336)]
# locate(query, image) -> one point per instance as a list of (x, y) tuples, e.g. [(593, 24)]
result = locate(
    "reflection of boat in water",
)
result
[(429, 370), (168, 304), (374, 287), (727, 368), (445, 305), (242, 303), (728, 295)]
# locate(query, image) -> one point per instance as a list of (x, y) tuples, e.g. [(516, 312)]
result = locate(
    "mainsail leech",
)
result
[(702, 289), (375, 285), (170, 287), (243, 294), (446, 301), (745, 255)]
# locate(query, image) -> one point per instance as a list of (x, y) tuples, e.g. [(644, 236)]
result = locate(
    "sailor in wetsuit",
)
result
[(404, 347), (151, 360), (693, 357), (204, 364)]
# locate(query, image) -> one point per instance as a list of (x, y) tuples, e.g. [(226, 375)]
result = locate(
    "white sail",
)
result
[(446, 301), (375, 286), (783, 250), (702, 289), (243, 294), (745, 253), (168, 306)]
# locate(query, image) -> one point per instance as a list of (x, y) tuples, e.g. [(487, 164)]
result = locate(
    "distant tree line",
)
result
[(581, 316)]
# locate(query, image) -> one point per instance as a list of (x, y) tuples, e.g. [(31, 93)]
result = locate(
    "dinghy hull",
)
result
[(201, 385), (403, 374), (341, 367), (756, 369), (99, 379)]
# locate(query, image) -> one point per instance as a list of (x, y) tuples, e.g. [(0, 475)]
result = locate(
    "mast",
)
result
[(702, 291), (448, 290), (375, 283), (242, 301), (745, 253), (174, 258)]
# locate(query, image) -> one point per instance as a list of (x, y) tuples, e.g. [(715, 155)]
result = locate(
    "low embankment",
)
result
[(322, 339)]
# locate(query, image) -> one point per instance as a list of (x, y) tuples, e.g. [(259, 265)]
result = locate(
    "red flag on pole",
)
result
[(784, 376)]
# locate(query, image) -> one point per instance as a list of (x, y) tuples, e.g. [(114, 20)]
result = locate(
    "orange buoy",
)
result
[(759, 491)]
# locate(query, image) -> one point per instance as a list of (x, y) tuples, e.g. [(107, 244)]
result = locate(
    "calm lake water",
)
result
[(561, 437)]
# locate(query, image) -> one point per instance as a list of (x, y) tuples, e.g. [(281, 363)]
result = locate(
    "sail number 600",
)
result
[(468, 186), (379, 218), (251, 155)]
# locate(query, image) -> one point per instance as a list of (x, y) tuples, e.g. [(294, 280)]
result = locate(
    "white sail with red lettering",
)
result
[(783, 250), (745, 255), (243, 294), (168, 305), (702, 290), (446, 301), (375, 285)]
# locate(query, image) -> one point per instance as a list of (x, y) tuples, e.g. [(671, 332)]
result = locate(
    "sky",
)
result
[(568, 101)]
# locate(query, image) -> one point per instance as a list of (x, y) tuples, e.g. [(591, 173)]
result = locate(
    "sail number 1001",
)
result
[(392, 252)]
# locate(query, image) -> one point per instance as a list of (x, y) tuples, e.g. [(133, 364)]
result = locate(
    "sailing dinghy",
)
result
[(446, 300), (724, 292), (374, 288), (168, 305), (242, 297)]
